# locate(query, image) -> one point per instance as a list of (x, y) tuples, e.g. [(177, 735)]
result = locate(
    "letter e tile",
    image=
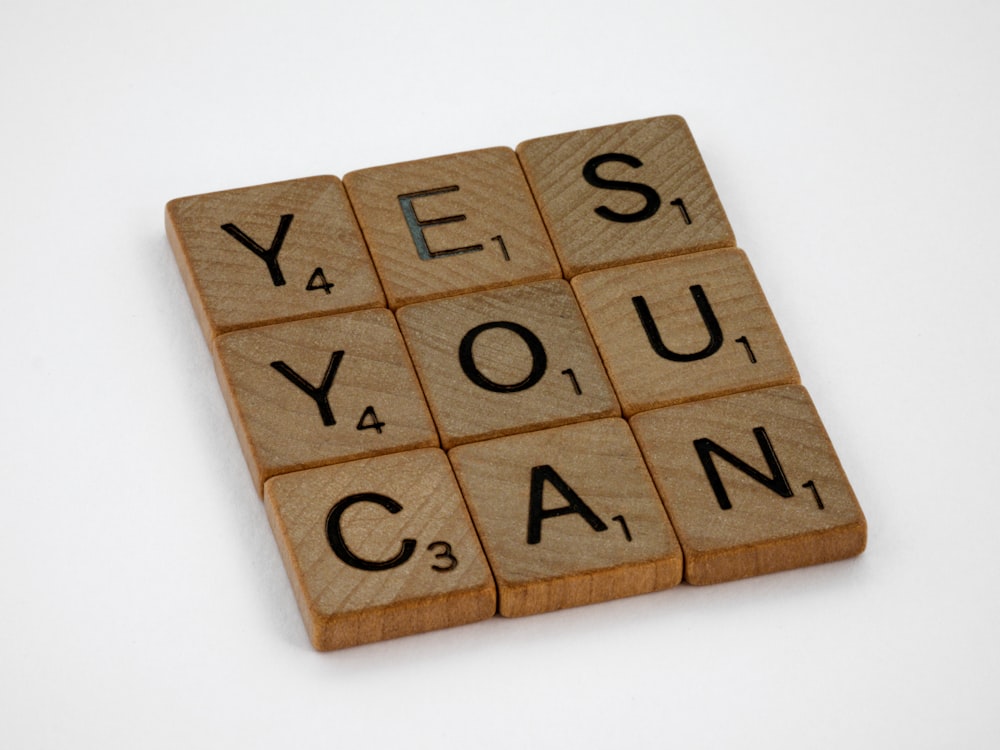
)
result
[(624, 193), (567, 516), (451, 224), (379, 548), (751, 483), (320, 391), (684, 328), (506, 360), (270, 253)]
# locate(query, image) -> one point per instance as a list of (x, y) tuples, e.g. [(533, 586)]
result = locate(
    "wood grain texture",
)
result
[(232, 286), (674, 210), (800, 510), (626, 547), (283, 428), (733, 345), (524, 388), (442, 581), (722, 471), (477, 201)]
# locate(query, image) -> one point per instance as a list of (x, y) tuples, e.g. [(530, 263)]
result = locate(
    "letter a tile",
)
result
[(567, 516), (320, 391), (624, 193), (684, 328), (751, 483), (270, 253), (451, 224), (379, 548), (507, 360)]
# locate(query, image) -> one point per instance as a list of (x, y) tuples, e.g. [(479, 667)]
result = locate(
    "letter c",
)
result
[(339, 546)]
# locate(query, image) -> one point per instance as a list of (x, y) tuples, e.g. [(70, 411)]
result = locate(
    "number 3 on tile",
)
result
[(444, 554)]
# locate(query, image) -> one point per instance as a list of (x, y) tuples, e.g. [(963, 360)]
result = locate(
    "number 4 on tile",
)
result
[(318, 281), (370, 421)]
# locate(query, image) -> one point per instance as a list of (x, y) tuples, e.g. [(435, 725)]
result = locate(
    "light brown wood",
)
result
[(314, 259), (528, 346), (374, 400), (612, 540), (472, 225), (341, 405), (711, 329), (802, 513), (379, 548), (661, 203)]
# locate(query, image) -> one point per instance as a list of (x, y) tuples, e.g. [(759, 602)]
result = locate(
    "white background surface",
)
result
[(856, 148)]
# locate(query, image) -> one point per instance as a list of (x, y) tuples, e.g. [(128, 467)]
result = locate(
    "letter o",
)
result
[(539, 361)]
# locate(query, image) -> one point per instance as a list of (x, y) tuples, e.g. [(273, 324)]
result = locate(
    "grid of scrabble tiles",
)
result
[(509, 381)]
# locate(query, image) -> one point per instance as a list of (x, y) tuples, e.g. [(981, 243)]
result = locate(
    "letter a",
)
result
[(536, 513)]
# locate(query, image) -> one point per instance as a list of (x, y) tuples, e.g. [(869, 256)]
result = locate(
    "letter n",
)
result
[(777, 482)]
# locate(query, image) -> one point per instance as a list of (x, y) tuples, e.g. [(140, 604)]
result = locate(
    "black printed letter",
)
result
[(336, 538), (653, 333), (651, 196), (320, 394), (777, 483), (536, 513), (417, 225), (538, 359), (269, 256)]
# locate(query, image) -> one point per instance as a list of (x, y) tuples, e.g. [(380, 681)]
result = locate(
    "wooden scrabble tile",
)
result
[(322, 390), (379, 548), (567, 516), (270, 253), (684, 328), (623, 193), (451, 224), (507, 360), (751, 483)]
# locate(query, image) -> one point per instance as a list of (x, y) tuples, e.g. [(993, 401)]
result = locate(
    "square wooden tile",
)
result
[(752, 484), (322, 390), (276, 252), (379, 548), (507, 360), (451, 224), (567, 516), (624, 193), (684, 328)]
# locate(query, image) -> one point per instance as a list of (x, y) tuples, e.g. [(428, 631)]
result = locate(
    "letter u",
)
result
[(653, 332)]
